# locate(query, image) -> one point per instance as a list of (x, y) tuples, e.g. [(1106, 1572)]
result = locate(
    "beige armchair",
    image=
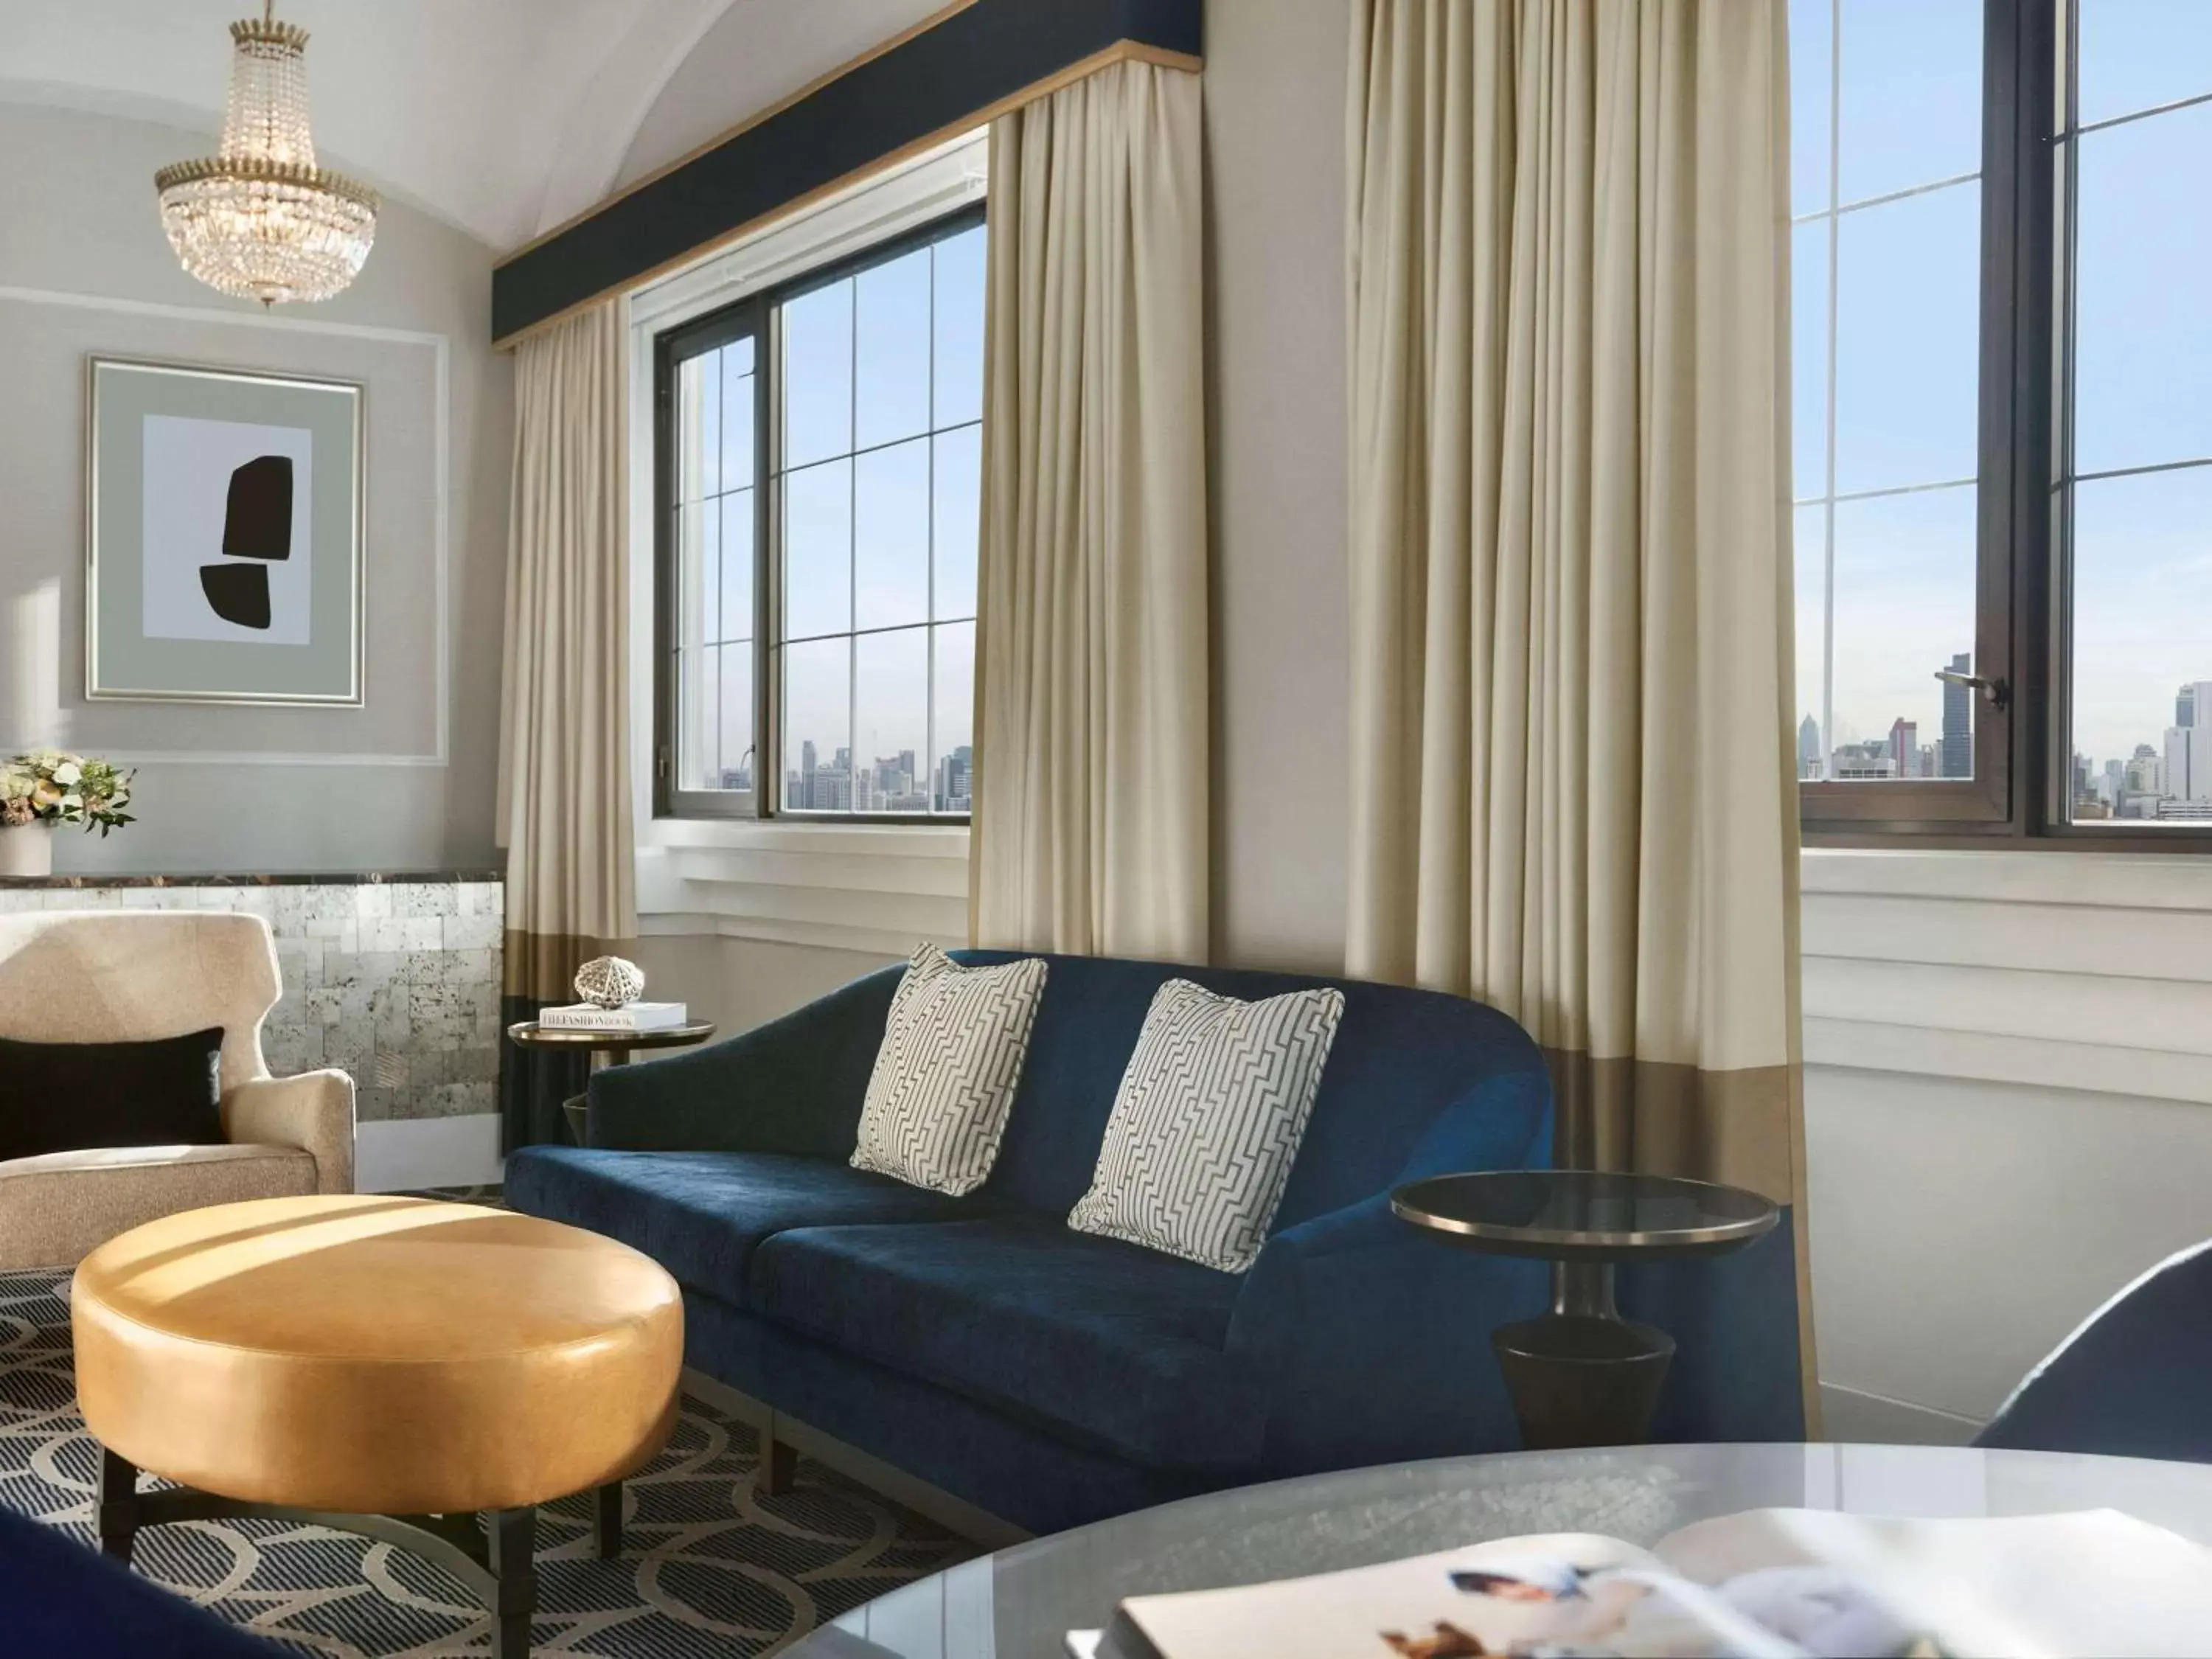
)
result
[(109, 975)]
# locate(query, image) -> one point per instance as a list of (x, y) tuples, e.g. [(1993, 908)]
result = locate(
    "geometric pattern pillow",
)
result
[(945, 1075), (1207, 1121)]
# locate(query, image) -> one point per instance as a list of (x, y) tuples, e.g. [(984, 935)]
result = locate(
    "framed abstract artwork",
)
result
[(224, 532)]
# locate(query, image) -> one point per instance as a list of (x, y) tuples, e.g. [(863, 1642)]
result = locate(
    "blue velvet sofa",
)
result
[(1051, 1377)]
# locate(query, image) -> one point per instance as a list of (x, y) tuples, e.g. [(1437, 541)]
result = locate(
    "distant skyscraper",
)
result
[(1905, 747), (1864, 761), (2189, 747), (1808, 748), (802, 797), (2146, 772), (953, 786), (1958, 749)]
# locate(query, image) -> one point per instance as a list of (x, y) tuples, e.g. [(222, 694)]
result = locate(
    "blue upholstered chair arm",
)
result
[(1372, 1337), (795, 1084)]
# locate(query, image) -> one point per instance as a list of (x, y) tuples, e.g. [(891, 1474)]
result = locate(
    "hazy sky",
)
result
[(1906, 276)]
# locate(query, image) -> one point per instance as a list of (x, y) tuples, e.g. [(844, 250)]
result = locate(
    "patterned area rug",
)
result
[(706, 1569)]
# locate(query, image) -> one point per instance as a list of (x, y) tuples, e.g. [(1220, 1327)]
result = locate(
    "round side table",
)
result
[(606, 1049), (1581, 1375)]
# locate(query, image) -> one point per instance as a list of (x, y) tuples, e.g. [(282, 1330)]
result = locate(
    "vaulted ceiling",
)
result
[(502, 116)]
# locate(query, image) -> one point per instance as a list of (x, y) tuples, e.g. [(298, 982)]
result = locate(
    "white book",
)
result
[(631, 1016), (1764, 1584)]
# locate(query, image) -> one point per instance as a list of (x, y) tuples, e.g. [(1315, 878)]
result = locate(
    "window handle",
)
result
[(1998, 691)]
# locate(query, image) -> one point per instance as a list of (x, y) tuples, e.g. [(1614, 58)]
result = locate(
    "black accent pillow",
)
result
[(68, 1096)]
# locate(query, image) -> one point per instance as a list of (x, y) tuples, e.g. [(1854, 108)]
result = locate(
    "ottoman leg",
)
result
[(118, 1504), (513, 1545), (609, 1511), (779, 1465)]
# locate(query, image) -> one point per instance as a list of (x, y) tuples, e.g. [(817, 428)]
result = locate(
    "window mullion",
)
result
[(2061, 194), (768, 562), (852, 560)]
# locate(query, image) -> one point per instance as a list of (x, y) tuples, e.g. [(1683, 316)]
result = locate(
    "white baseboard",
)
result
[(410, 1153), (1853, 1415)]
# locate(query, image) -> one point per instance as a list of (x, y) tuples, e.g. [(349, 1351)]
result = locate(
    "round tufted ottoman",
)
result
[(390, 1367)]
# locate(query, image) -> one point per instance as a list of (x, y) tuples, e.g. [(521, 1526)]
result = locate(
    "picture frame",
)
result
[(225, 528)]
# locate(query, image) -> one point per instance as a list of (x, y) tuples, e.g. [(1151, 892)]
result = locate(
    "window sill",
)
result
[(2177, 880), (877, 889)]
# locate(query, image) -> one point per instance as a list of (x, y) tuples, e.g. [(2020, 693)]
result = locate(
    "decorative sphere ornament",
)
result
[(609, 982)]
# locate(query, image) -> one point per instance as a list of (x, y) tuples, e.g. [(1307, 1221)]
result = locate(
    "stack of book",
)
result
[(631, 1016)]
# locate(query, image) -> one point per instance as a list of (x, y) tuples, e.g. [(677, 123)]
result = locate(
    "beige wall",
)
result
[(84, 269), (1275, 132), (739, 983), (2035, 1030)]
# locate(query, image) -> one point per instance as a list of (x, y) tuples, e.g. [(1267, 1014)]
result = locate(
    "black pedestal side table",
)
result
[(606, 1048), (1581, 1375)]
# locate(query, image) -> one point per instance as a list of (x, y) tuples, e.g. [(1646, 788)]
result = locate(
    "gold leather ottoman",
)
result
[(390, 1367)]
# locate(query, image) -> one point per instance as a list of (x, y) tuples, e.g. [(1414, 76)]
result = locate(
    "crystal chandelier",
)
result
[(260, 220)]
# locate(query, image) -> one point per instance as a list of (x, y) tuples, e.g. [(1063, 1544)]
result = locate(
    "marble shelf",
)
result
[(392, 977)]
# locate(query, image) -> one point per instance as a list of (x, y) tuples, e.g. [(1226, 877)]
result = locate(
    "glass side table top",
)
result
[(531, 1034), (1565, 1215), (1018, 1603)]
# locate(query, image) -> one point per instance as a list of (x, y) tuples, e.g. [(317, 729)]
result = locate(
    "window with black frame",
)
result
[(2002, 362), (819, 485)]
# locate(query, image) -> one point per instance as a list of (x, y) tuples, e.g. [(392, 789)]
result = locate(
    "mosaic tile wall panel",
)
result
[(395, 982)]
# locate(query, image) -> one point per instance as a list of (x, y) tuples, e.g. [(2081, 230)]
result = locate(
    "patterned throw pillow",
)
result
[(1207, 1121), (945, 1075)]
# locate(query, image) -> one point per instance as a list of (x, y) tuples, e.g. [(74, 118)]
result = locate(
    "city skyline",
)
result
[(2166, 781), (890, 783)]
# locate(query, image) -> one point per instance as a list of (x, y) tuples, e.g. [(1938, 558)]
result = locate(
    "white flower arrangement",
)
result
[(48, 787)]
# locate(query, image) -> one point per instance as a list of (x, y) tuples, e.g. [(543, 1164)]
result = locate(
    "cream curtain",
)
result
[(564, 800), (1573, 788), (1090, 823)]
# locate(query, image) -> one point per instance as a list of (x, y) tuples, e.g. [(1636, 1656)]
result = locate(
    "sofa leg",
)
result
[(779, 1465)]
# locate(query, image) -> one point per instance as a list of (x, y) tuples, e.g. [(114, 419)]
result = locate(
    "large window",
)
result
[(2002, 352), (818, 485)]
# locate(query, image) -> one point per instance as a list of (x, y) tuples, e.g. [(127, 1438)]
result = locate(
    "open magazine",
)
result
[(1766, 1585)]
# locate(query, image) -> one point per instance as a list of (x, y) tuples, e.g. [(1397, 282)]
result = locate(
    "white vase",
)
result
[(28, 849)]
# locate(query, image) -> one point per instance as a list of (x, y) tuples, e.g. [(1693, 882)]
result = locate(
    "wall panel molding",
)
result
[(878, 890), (2145, 881), (440, 348), (2069, 971)]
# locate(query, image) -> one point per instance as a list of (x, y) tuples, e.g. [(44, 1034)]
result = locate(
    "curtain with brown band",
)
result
[(1092, 775), (563, 784), (1573, 788)]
